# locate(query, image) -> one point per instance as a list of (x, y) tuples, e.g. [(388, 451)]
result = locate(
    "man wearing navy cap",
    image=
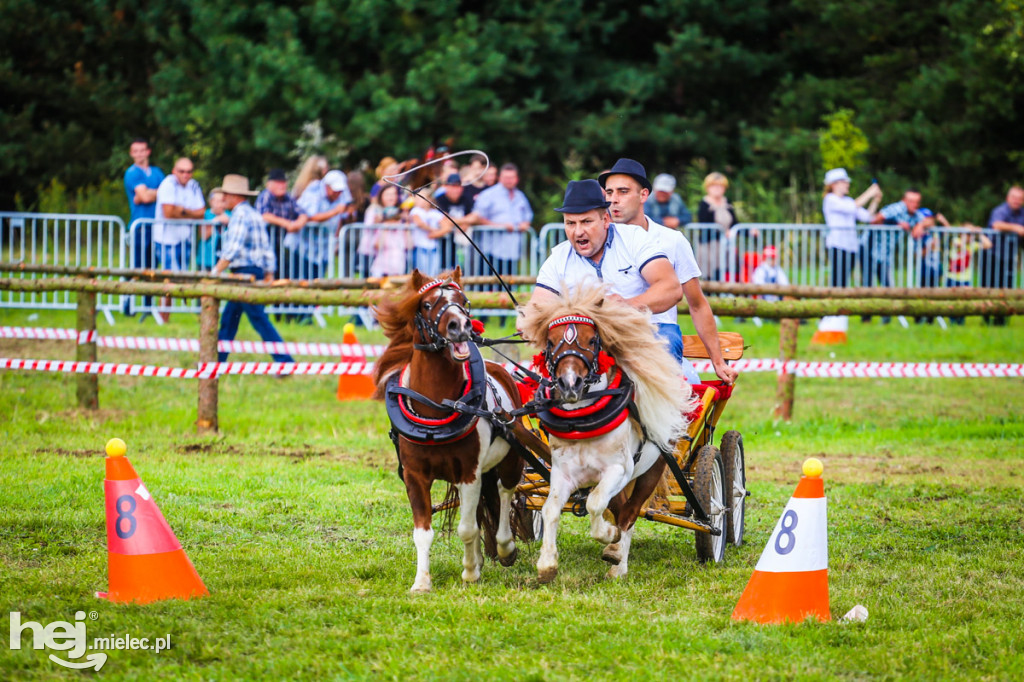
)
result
[(632, 265), (627, 189)]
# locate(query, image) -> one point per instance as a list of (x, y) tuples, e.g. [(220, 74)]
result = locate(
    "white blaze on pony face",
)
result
[(457, 334)]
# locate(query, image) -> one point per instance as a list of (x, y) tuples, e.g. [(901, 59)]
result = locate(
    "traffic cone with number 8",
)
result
[(146, 561), (790, 581)]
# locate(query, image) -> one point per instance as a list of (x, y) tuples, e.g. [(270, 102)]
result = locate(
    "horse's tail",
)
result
[(488, 515), (488, 512), (449, 506)]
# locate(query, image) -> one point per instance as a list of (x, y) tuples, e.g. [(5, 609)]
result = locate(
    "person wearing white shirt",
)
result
[(842, 213), (324, 201), (180, 198), (504, 206), (627, 189)]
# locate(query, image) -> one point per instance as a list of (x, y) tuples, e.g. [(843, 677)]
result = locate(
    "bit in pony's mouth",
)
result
[(460, 351)]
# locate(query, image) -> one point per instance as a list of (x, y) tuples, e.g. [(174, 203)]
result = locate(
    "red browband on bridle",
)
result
[(436, 283), (571, 319)]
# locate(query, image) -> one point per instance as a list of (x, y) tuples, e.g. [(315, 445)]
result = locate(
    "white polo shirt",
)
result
[(627, 249), (188, 196), (680, 253)]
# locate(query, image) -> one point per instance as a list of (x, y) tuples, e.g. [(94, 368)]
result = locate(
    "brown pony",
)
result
[(431, 358)]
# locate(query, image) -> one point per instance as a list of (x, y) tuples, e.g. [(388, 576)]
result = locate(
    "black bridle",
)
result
[(431, 339)]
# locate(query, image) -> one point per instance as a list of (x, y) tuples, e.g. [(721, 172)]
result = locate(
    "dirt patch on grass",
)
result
[(847, 467), (69, 453), (272, 451)]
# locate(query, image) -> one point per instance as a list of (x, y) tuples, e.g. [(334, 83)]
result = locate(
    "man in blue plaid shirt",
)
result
[(246, 250), (906, 215)]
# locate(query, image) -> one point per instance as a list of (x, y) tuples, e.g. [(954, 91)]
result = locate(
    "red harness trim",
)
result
[(601, 404), (427, 421), (581, 435)]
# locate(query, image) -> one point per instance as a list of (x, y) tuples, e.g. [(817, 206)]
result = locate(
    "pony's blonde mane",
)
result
[(629, 336)]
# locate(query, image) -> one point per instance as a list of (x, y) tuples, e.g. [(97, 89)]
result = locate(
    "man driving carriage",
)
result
[(629, 260)]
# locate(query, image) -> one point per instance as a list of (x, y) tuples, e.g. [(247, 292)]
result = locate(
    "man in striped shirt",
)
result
[(246, 250)]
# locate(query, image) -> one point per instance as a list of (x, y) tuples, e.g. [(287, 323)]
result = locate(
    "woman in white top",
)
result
[(842, 213)]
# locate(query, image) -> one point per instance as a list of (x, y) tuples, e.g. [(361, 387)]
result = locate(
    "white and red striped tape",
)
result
[(867, 370), (205, 370), (887, 370), (192, 345)]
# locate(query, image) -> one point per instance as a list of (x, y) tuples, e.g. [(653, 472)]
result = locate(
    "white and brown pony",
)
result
[(615, 403), (432, 359)]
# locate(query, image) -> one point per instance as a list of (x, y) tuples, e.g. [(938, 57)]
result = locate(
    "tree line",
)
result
[(928, 93)]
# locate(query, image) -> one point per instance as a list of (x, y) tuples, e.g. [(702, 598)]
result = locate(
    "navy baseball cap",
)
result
[(276, 174), (453, 179)]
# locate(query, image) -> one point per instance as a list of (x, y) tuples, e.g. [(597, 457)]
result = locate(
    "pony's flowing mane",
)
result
[(627, 334), (395, 316)]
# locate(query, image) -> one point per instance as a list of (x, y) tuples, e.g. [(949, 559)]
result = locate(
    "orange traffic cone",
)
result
[(146, 561), (358, 386), (831, 330), (790, 581)]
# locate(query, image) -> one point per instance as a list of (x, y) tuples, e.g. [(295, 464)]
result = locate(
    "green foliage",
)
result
[(104, 198), (745, 85), (842, 143)]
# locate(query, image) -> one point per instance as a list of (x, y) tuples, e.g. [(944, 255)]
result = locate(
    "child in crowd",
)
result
[(961, 252), (769, 272), (428, 231), (216, 217)]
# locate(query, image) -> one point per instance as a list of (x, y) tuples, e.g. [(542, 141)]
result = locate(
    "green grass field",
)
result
[(297, 523)]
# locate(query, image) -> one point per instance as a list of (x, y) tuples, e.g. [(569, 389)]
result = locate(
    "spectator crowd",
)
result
[(399, 229)]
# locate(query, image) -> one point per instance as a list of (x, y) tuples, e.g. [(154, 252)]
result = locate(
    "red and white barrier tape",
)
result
[(867, 370), (99, 368), (159, 343), (857, 370)]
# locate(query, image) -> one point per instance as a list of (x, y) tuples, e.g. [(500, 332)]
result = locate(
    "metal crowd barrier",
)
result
[(310, 255), (884, 256), (381, 250), (59, 239)]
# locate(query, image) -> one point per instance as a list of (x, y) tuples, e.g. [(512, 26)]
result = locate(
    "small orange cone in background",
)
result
[(790, 581), (358, 386), (831, 330), (146, 561)]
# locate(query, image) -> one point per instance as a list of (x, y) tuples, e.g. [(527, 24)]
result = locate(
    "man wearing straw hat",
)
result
[(247, 251)]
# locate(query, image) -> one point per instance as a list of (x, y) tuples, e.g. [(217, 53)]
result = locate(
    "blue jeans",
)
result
[(427, 261), (141, 255), (671, 333), (232, 316), (174, 256)]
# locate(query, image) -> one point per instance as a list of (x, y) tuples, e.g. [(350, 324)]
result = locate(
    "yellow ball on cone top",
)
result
[(349, 328), (116, 448), (813, 467)]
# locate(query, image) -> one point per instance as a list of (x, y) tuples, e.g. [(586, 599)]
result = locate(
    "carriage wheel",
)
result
[(709, 487), (735, 486)]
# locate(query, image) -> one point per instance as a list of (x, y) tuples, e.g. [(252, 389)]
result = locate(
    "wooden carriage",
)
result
[(704, 486)]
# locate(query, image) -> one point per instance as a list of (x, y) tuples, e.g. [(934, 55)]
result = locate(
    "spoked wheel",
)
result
[(735, 486), (709, 487)]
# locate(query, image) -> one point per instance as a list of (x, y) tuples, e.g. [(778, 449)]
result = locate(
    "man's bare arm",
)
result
[(664, 291), (707, 330)]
